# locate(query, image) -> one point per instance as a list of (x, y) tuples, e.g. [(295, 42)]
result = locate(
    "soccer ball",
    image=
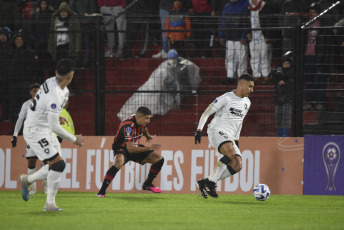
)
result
[(261, 192)]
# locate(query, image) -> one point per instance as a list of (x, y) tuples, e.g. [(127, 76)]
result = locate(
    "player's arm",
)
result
[(134, 149), (17, 128), (206, 114), (19, 124), (54, 125)]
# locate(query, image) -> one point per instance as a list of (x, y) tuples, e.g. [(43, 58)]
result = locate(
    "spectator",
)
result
[(233, 17), (40, 33), (27, 9), (260, 40), (9, 14), (173, 75), (293, 13), (203, 25), (5, 50), (339, 37), (217, 7), (22, 70), (138, 24), (65, 37), (316, 57), (178, 20), (85, 8), (283, 77), (164, 8), (56, 3), (109, 8)]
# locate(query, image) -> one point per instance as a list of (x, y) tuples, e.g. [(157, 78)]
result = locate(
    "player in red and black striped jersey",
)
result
[(127, 147)]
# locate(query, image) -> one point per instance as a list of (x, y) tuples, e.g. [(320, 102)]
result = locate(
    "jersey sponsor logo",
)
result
[(215, 101), (223, 135), (53, 106), (128, 131), (236, 112)]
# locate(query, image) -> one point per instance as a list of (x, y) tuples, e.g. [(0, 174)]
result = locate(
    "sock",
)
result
[(229, 171), (220, 167), (30, 172), (53, 181), (153, 172), (110, 174), (41, 174)]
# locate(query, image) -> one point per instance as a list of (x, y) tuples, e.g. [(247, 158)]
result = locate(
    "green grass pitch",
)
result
[(83, 211)]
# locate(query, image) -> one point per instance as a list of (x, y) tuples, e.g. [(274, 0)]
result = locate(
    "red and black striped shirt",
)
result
[(128, 131)]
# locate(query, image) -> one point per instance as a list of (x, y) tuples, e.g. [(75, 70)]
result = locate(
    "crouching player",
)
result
[(126, 148)]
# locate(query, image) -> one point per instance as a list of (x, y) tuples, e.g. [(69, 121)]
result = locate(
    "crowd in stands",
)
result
[(35, 34)]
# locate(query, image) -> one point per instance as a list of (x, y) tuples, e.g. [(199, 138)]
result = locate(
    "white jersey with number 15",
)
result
[(50, 98)]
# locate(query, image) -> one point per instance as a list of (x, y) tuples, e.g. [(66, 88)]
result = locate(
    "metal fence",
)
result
[(108, 88)]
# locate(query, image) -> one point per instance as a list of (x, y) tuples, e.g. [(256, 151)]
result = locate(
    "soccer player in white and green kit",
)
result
[(224, 131)]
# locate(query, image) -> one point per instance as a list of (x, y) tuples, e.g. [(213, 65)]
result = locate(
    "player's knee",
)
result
[(228, 150), (160, 162), (31, 163), (58, 166), (238, 165), (119, 161), (157, 154)]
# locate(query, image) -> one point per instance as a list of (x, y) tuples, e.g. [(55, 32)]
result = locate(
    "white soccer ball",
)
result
[(261, 192)]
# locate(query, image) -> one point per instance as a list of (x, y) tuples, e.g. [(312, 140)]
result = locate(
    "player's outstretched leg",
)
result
[(201, 186), (110, 174), (25, 187)]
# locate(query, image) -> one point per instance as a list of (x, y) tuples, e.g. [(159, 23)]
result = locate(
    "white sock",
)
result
[(30, 172), (53, 181), (225, 174), (39, 175), (220, 167)]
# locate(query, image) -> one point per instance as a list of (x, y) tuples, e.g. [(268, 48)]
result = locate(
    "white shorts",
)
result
[(218, 137), (29, 152), (43, 143)]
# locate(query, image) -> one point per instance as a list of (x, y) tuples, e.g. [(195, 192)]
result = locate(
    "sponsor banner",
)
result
[(276, 162), (324, 165)]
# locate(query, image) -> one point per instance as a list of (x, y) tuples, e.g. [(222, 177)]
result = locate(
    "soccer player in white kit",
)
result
[(224, 131), (40, 129), (30, 155)]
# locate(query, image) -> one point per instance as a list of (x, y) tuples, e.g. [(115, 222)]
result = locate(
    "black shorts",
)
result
[(136, 157)]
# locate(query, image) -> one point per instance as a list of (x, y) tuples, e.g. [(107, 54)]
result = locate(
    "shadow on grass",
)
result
[(149, 197), (253, 203)]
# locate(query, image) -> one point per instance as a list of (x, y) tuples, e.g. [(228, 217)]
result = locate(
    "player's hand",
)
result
[(154, 147), (149, 138), (14, 141), (79, 140), (198, 136), (63, 120)]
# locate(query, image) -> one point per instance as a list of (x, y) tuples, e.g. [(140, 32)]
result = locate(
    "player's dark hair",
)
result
[(246, 77), (65, 66), (34, 86), (144, 110)]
